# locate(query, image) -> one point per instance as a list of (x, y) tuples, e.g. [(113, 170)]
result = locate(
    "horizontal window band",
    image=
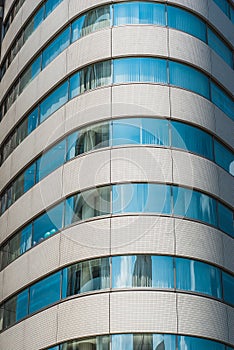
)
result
[(125, 131), (116, 272), (101, 17), (118, 71), (118, 199)]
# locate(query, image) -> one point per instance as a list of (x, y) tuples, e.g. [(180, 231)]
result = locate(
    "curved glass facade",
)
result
[(119, 199), (138, 131), (125, 13), (131, 271)]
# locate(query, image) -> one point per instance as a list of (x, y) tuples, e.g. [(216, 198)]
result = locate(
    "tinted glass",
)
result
[(97, 343), (191, 343), (195, 205), (228, 288), (139, 13), (220, 47), (54, 101), (189, 78), (48, 224), (140, 70), (94, 20), (141, 198), (33, 24), (22, 305), (226, 219), (222, 100), (192, 139), (224, 157), (95, 75), (33, 120), (74, 87), (51, 160), (45, 292), (59, 44), (186, 22), (29, 177), (50, 6), (143, 341), (197, 276), (30, 74)]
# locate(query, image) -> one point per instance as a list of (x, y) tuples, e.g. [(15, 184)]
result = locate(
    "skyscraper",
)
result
[(116, 176)]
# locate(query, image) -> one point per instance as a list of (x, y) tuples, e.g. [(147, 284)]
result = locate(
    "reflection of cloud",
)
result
[(123, 279), (182, 343), (205, 204)]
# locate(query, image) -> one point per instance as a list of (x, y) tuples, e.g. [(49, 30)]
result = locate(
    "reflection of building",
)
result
[(116, 175)]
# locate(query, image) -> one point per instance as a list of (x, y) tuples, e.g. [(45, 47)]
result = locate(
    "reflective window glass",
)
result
[(33, 70), (224, 157), (228, 288), (94, 20), (136, 12), (59, 44), (220, 47), (51, 160), (25, 239), (223, 5), (48, 224), (155, 131), (195, 205), (87, 276), (187, 22), (140, 70), (192, 343), (192, 139), (95, 75), (54, 101), (189, 78), (226, 219), (45, 292), (97, 343), (22, 305), (141, 198), (222, 100), (33, 120), (50, 6), (14, 248), (142, 271), (9, 317), (88, 204), (74, 86), (29, 177), (126, 131), (33, 24), (143, 341), (76, 28), (198, 277)]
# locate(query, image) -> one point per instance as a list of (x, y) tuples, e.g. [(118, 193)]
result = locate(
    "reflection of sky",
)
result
[(125, 342), (122, 271), (122, 342)]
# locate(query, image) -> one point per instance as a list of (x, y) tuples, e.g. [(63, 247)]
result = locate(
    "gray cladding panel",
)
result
[(143, 311)]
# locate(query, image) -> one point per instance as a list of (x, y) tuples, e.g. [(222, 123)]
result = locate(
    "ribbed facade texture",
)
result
[(116, 175)]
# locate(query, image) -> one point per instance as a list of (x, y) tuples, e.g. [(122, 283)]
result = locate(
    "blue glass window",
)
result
[(143, 341), (142, 271), (76, 27), (224, 157), (95, 75), (51, 160), (141, 198), (140, 70), (33, 24), (194, 205), (54, 101), (25, 239), (222, 100), (186, 22), (59, 44), (29, 177), (136, 12), (226, 219), (45, 292), (228, 288), (50, 6), (189, 78), (126, 131), (74, 87), (192, 343), (220, 47), (94, 20), (192, 139), (33, 120), (48, 224), (223, 5), (33, 70), (155, 131), (198, 277), (22, 305)]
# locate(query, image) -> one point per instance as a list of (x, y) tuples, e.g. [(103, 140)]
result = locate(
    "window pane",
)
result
[(22, 305), (48, 224), (198, 277), (143, 341), (222, 100), (29, 177), (163, 272), (45, 292), (155, 131), (9, 312), (74, 87), (54, 101), (33, 120), (126, 131), (141, 198), (26, 239), (224, 157), (139, 13), (87, 205), (50, 6), (14, 248), (76, 28), (220, 47), (51, 160), (228, 288), (87, 276), (33, 24), (140, 70), (97, 343), (95, 75), (59, 44), (189, 78), (226, 219), (30, 74), (190, 343), (186, 22), (223, 5), (192, 139), (94, 20)]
